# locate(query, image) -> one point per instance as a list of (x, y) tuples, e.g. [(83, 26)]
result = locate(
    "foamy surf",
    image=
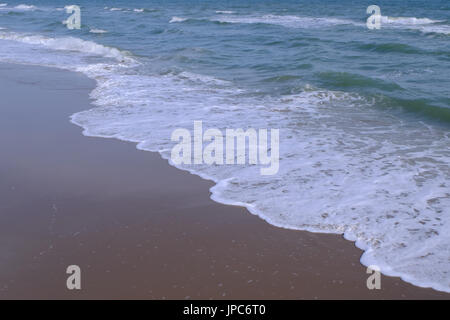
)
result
[(408, 20), (440, 29), (225, 12), (25, 7), (177, 19), (425, 25), (291, 21), (286, 20), (137, 10), (330, 191), (97, 31), (69, 44)]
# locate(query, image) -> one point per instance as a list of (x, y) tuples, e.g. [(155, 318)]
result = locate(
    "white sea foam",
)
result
[(408, 20), (177, 19), (97, 31), (286, 20), (335, 170), (424, 25), (20, 7), (25, 7), (345, 167), (69, 44), (225, 12), (441, 29), (137, 10)]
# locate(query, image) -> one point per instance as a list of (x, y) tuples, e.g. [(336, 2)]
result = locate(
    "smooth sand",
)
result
[(137, 227)]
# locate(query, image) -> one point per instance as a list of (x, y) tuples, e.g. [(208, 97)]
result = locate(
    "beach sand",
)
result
[(137, 227)]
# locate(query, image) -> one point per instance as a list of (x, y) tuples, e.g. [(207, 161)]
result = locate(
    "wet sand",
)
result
[(137, 227)]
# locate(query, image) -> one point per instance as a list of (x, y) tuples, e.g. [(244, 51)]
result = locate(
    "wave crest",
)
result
[(69, 44)]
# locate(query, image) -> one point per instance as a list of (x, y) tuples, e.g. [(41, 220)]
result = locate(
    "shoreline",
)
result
[(137, 226)]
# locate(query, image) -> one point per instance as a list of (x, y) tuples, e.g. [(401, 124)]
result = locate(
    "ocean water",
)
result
[(364, 115)]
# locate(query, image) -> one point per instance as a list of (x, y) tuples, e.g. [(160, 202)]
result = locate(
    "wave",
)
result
[(423, 108), (344, 159), (177, 19), (224, 12), (351, 80), (391, 47), (439, 29), (286, 20), (25, 7), (137, 10), (407, 20), (18, 8), (69, 44), (424, 25), (97, 31)]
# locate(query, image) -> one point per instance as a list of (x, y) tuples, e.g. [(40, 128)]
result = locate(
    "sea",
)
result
[(363, 114)]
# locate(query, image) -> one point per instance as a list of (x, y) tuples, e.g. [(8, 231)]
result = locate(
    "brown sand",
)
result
[(137, 227)]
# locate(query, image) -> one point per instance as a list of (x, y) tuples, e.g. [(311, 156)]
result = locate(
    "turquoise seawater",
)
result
[(364, 115)]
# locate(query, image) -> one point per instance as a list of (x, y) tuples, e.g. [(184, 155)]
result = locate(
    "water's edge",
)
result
[(215, 196)]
